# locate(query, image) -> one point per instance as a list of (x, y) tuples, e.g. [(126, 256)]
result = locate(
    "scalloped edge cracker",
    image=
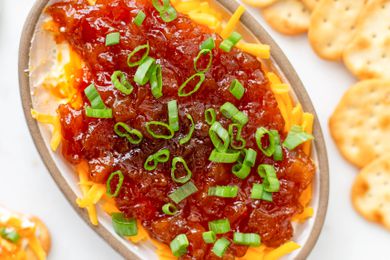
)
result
[(332, 26), (288, 16), (360, 125), (370, 193), (311, 4), (368, 54)]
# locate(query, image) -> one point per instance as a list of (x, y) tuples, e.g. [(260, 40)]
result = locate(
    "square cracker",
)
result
[(289, 17), (332, 26), (371, 191), (360, 125), (368, 54)]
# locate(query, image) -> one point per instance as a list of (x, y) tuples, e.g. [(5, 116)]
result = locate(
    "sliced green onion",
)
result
[(246, 239), (169, 14), (227, 44), (169, 209), (259, 193), (223, 191), (94, 97), (183, 192), (144, 71), (203, 52), (223, 157), (173, 115), (208, 44), (9, 234), (230, 111), (132, 135), (118, 186), (98, 113), (235, 37), (158, 135), (161, 7), (278, 153), (250, 157), (210, 116), (220, 226), (238, 138), (161, 156), (220, 246), (179, 245), (139, 18), (209, 237), (295, 137), (187, 138), (181, 91), (113, 38), (122, 84), (241, 170), (236, 89), (137, 49), (185, 178), (219, 137), (156, 81), (270, 180), (240, 118), (260, 132), (124, 226)]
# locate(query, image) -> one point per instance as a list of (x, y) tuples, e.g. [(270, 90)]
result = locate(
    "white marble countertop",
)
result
[(27, 187)]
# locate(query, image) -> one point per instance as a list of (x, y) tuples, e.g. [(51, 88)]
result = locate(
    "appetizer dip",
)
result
[(181, 134)]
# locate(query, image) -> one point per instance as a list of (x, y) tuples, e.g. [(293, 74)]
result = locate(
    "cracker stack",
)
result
[(356, 32)]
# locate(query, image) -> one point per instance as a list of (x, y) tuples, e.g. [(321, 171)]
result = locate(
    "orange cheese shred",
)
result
[(307, 125), (262, 51), (55, 122), (233, 21), (282, 251)]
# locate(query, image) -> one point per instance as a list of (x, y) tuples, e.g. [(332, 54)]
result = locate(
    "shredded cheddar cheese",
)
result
[(307, 125), (282, 251), (262, 51), (233, 21), (55, 122)]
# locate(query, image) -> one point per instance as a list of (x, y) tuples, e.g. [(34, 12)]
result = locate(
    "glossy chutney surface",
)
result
[(174, 45)]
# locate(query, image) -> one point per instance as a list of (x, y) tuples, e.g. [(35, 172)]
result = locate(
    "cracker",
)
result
[(43, 237), (332, 26), (310, 4), (259, 3), (289, 17), (371, 191), (360, 125), (368, 54)]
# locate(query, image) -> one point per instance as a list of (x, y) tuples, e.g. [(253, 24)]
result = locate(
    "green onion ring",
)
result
[(132, 135), (181, 92), (260, 132), (210, 116), (156, 83), (118, 186), (187, 138), (124, 226), (169, 14), (173, 115), (123, 85), (169, 209), (270, 180), (144, 71), (203, 52), (219, 137), (161, 7), (161, 156), (163, 125), (135, 51), (185, 178), (238, 136)]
